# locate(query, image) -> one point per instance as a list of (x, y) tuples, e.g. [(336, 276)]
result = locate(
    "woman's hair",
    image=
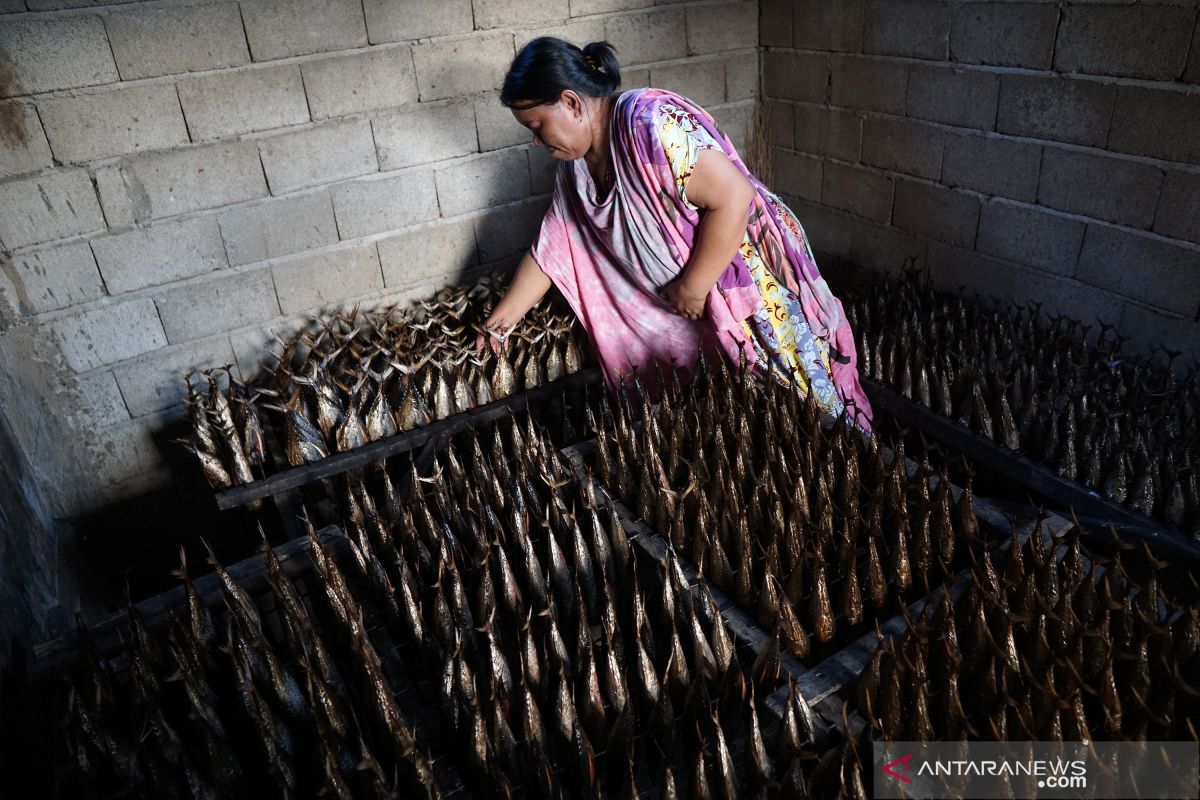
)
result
[(547, 66)]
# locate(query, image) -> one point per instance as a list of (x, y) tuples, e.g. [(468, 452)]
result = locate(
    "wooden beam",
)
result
[(108, 633), (400, 443), (1036, 477)]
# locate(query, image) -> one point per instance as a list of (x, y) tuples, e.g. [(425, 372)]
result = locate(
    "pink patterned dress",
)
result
[(610, 256)]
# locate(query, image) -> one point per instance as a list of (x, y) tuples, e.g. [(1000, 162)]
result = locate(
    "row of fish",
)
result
[(1043, 386), (630, 671), (359, 377), (225, 709), (814, 528), (1050, 641), (498, 634)]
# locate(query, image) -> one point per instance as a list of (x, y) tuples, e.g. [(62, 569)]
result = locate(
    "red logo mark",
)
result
[(903, 764)]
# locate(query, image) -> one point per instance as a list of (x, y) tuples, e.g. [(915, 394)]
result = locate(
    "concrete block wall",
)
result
[(182, 179), (1045, 150)]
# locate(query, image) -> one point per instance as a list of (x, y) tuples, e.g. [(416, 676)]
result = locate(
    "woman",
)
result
[(660, 238)]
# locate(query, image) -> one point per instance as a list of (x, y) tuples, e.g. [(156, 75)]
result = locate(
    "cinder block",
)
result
[(963, 97), (741, 77), (486, 180), (316, 280), (1156, 122), (109, 333), (159, 254), (775, 23), (634, 79), (198, 309), (914, 28), (1141, 267), (796, 76), (828, 131), (1131, 41), (23, 148), (781, 123), (415, 255), (796, 175), (1149, 329), (278, 227), (47, 207), (370, 81), (112, 122), (425, 133), (577, 31), (737, 120), (281, 28), (863, 192), (241, 101), (402, 298), (169, 183), (1112, 189), (1004, 34), (509, 230), (123, 460), (496, 125), (953, 268), (155, 382), (147, 42), (258, 346), (462, 66), (903, 146), (1192, 73), (1063, 109), (543, 170), (835, 25), (389, 21), (936, 212), (992, 165), (12, 6), (580, 8), (829, 231), (862, 243), (96, 400), (56, 53), (385, 203), (1177, 208), (326, 152), (872, 84), (515, 13), (641, 38), (702, 82), (114, 197), (57, 277), (1030, 236), (729, 26)]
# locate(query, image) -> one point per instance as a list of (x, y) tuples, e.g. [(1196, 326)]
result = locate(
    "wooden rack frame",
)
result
[(1038, 478)]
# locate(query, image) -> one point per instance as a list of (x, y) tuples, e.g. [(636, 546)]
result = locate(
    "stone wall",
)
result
[(180, 181), (1037, 151)]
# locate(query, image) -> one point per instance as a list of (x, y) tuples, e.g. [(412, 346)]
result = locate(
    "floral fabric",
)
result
[(610, 257)]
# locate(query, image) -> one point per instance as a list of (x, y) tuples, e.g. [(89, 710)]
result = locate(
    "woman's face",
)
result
[(562, 128)]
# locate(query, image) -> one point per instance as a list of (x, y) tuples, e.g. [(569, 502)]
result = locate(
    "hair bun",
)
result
[(547, 66)]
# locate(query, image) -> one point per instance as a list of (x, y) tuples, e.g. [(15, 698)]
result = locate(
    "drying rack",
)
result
[(820, 684)]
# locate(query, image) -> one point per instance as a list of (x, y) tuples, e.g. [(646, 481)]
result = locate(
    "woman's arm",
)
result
[(724, 194), (529, 285)]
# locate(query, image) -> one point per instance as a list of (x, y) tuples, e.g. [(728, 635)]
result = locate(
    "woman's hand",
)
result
[(529, 285), (493, 335), (685, 300)]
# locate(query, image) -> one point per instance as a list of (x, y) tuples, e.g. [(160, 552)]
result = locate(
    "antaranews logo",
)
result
[(903, 764), (971, 770)]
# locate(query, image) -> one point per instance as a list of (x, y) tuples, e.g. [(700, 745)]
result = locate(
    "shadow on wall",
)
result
[(127, 549)]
